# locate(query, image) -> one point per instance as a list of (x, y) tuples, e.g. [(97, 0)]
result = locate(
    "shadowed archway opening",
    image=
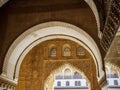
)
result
[(67, 77)]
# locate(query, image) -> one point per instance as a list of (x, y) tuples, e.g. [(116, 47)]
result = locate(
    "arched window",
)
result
[(114, 73), (86, 84), (53, 51), (115, 82), (77, 83), (80, 51), (58, 83), (66, 50), (107, 72), (67, 73), (77, 75), (67, 83), (107, 82)]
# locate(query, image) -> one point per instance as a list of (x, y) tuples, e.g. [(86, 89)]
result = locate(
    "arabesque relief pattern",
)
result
[(39, 63)]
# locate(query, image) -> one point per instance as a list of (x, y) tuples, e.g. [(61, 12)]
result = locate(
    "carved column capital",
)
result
[(6, 83)]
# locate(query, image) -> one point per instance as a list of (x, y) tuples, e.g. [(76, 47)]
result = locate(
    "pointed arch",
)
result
[(46, 31), (63, 68), (52, 51)]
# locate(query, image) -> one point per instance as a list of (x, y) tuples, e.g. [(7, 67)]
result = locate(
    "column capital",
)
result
[(6, 82)]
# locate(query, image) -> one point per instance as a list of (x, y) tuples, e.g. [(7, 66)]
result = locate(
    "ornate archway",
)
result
[(50, 81), (48, 31), (43, 32), (39, 62)]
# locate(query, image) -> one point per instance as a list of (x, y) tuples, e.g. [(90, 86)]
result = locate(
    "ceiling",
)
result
[(75, 3)]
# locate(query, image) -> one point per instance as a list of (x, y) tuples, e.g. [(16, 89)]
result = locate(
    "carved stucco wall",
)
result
[(38, 65)]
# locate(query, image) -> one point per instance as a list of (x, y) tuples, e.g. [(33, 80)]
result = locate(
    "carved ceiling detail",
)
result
[(111, 25)]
